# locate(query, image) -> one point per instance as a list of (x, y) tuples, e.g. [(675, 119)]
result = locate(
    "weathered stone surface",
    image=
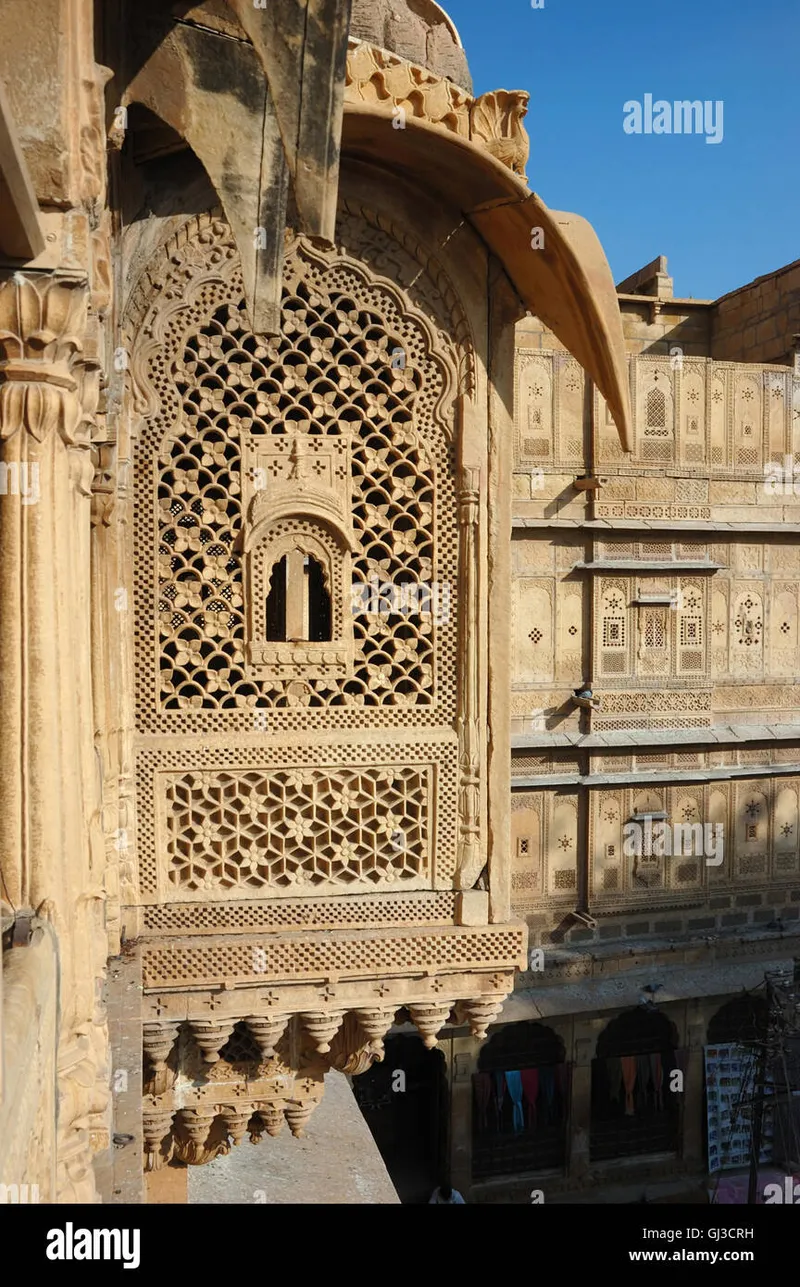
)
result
[(337, 1162)]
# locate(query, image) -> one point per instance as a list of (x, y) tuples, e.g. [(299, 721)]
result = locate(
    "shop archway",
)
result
[(520, 1102), (634, 1112)]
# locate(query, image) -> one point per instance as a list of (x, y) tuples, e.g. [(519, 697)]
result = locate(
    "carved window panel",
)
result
[(693, 401), (653, 650), (747, 429), (534, 407), (719, 817), (607, 822), (785, 825), (776, 396), (752, 828), (297, 828), (298, 539), (655, 409), (569, 653), (217, 399), (783, 659), (718, 630), (613, 629), (691, 635), (718, 408), (747, 639), (302, 565), (562, 846), (532, 616), (526, 853), (289, 821)]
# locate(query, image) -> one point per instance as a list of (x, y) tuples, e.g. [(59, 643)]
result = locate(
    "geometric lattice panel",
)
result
[(355, 911), (283, 821), (333, 372), (479, 948), (297, 827)]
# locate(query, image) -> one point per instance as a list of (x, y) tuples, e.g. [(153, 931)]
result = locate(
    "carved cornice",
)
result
[(45, 382), (493, 121)]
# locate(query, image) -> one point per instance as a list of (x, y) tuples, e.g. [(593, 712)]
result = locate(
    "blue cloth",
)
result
[(514, 1084)]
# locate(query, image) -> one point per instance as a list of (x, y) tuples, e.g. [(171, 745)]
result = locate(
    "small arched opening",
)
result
[(298, 607)]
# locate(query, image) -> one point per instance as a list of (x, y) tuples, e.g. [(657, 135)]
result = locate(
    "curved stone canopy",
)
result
[(418, 30)]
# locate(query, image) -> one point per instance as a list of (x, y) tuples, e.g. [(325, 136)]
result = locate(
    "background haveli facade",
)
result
[(261, 272), (665, 582)]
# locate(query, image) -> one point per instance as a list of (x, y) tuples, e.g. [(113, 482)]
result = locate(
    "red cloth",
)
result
[(530, 1091), (629, 1081)]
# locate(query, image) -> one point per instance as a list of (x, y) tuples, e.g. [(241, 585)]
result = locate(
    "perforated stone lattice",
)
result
[(335, 369), (356, 357), (352, 912), (465, 949), (295, 827), (228, 828)]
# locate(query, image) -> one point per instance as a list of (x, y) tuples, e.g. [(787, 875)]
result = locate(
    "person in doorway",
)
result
[(446, 1195)]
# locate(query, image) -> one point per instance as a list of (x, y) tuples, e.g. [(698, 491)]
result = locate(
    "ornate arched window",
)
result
[(296, 513)]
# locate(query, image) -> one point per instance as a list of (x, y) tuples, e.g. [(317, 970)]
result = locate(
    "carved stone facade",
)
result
[(664, 583), (268, 414)]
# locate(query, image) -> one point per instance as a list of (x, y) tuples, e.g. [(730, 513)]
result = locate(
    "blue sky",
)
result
[(722, 213)]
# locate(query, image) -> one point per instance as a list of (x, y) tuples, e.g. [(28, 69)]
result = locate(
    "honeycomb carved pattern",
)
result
[(244, 775), (294, 827), (392, 954), (331, 913), (201, 379)]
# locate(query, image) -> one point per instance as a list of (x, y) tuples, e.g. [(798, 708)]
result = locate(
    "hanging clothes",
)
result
[(616, 1086), (657, 1078), (642, 1083), (628, 1063), (530, 1091), (483, 1096), (514, 1084), (498, 1099), (547, 1081)]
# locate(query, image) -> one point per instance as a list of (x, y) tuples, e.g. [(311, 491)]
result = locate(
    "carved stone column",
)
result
[(471, 858), (50, 837)]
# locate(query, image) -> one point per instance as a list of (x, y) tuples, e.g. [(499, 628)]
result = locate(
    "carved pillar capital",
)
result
[(45, 384)]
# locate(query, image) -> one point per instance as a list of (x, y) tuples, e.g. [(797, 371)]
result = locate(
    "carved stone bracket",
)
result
[(480, 1012), (430, 1019)]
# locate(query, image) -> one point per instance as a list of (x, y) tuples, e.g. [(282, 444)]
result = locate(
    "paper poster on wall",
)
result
[(730, 1091)]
